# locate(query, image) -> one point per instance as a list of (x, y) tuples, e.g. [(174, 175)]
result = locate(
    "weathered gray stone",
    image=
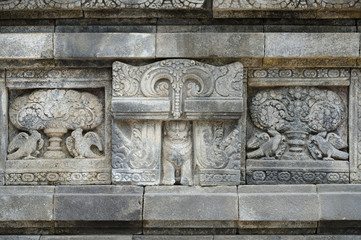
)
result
[(4, 125), (88, 237), (172, 237), (168, 210), (287, 237), (312, 45), (209, 45), (98, 203), (26, 203), (27, 26), (158, 4), (27, 45), (339, 202), (19, 237), (104, 45), (355, 121), (279, 208), (39, 5)]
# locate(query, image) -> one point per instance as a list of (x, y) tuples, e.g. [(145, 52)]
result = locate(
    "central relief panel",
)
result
[(178, 122)]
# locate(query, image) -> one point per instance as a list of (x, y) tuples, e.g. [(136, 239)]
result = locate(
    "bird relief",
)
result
[(54, 112), (299, 123)]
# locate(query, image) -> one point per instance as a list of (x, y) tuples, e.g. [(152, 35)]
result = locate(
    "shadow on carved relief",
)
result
[(297, 135), (182, 116), (56, 136)]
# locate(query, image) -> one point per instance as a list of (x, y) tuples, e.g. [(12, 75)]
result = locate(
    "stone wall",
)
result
[(145, 119)]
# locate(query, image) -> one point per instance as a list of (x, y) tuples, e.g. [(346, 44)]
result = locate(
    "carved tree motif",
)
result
[(56, 111), (298, 112)]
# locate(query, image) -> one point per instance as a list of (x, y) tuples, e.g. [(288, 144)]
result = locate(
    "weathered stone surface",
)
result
[(287, 237), (308, 126), (104, 45), (88, 237), (190, 210), (35, 5), (4, 125), (355, 133), (98, 203), (339, 202), (27, 26), (26, 203), (312, 45), (27, 45), (209, 45), (177, 90), (158, 4), (20, 237), (166, 237), (278, 207)]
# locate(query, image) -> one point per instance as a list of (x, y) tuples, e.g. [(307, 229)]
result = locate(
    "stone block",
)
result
[(288, 237), (312, 44), (170, 237), (88, 237), (26, 203), (190, 210), (340, 202), (98, 203), (286, 209), (19, 237), (26, 45), (40, 5), (139, 4), (191, 45), (104, 45)]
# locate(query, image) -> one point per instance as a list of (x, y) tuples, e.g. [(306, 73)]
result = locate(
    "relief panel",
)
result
[(297, 135), (56, 135), (169, 98), (3, 124)]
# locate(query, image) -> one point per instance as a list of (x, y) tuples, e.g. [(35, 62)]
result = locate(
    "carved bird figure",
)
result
[(268, 145), (328, 146), (24, 145), (79, 146)]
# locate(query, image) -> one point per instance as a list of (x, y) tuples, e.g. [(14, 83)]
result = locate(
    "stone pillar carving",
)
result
[(178, 94), (355, 126), (3, 124), (300, 133)]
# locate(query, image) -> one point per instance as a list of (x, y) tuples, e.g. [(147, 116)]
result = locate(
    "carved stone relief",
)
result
[(288, 4), (39, 4), (143, 4), (355, 127), (165, 97), (3, 124), (51, 128), (299, 136)]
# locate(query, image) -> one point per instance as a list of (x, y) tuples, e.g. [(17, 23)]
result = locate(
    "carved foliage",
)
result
[(176, 80), (290, 4), (39, 4), (142, 4), (55, 111), (301, 116)]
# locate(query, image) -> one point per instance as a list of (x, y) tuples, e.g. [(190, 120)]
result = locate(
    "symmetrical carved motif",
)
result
[(299, 113), (174, 92), (289, 4), (79, 146), (218, 152), (177, 89), (39, 4), (136, 152), (55, 111), (177, 153), (300, 125), (153, 4)]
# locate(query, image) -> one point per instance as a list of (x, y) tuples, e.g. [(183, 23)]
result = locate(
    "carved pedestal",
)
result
[(298, 135)]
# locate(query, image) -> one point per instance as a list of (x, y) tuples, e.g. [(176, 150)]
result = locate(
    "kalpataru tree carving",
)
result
[(51, 124), (174, 92), (298, 125), (55, 112)]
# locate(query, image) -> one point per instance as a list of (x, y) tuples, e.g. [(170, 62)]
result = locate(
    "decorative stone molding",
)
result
[(287, 4), (304, 136), (355, 123), (3, 124), (157, 4), (168, 95), (40, 4)]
